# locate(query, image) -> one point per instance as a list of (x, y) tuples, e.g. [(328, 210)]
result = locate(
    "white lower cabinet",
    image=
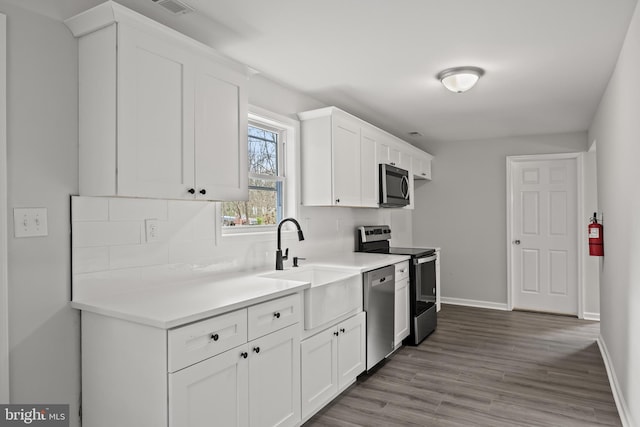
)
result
[(331, 361), (214, 389), (274, 379), (255, 384), (240, 368), (401, 313)]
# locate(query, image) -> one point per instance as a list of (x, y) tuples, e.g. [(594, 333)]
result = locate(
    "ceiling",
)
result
[(547, 62)]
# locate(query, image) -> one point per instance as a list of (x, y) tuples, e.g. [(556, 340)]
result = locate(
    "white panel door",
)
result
[(368, 169), (220, 122), (274, 379), (319, 356), (401, 320), (155, 116), (352, 359), (212, 392), (346, 162), (544, 241)]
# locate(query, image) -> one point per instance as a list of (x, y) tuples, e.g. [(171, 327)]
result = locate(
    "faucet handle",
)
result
[(286, 254), (296, 259)]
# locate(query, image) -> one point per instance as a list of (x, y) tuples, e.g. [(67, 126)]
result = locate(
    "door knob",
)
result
[(516, 242)]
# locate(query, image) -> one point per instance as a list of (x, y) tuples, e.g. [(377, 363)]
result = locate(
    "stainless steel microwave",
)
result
[(394, 186)]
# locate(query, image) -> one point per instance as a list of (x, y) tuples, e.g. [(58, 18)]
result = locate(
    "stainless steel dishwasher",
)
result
[(379, 293)]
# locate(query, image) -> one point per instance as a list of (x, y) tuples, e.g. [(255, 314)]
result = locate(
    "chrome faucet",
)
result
[(279, 256)]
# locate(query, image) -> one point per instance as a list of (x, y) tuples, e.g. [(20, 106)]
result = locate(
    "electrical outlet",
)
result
[(30, 222), (152, 228)]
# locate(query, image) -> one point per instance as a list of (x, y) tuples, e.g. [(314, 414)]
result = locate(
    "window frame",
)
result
[(288, 133)]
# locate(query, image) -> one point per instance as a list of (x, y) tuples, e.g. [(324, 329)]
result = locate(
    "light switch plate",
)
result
[(30, 222)]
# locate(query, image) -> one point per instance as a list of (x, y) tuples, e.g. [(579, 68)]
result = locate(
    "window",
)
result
[(267, 148)]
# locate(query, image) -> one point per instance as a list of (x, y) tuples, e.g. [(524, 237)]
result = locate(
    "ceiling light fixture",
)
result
[(460, 79)]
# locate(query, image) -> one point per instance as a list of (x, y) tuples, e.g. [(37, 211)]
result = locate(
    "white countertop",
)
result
[(358, 260), (168, 305)]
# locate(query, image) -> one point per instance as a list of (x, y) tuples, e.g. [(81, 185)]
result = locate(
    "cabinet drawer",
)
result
[(273, 315), (402, 270), (198, 341)]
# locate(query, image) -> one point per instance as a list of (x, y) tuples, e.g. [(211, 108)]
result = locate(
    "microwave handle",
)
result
[(405, 187)]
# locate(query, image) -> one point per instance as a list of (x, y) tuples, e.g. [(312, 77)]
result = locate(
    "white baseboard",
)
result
[(591, 316), (475, 303), (623, 409)]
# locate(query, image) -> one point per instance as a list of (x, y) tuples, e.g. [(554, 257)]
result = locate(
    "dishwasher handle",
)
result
[(382, 281)]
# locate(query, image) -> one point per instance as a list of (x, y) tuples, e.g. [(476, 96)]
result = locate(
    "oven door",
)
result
[(423, 298)]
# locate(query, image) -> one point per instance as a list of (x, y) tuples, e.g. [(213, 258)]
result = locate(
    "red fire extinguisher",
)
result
[(596, 248)]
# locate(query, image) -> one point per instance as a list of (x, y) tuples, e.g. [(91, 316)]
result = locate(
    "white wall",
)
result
[(591, 265), (616, 129), (42, 171), (463, 210)]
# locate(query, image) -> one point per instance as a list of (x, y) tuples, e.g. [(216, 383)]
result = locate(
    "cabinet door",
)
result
[(214, 391), (401, 320), (220, 134), (154, 116), (351, 349), (274, 379), (345, 152), (382, 152), (319, 356), (368, 169), (421, 167)]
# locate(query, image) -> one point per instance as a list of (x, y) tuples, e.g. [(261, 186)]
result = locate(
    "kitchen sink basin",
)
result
[(334, 292)]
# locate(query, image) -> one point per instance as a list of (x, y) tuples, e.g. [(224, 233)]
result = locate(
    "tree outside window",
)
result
[(266, 181)]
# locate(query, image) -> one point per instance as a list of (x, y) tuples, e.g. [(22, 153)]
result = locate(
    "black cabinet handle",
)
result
[(336, 333), (215, 337), (337, 200), (256, 349), (244, 354), (276, 315), (342, 330), (203, 191), (191, 191)]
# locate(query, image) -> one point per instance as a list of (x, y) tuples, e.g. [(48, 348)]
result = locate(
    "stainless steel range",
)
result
[(375, 239)]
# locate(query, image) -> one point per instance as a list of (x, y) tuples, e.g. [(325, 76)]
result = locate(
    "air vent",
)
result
[(415, 133), (174, 6)]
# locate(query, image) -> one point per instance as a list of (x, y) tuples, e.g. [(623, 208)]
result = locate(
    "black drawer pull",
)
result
[(256, 349), (215, 337), (276, 315), (203, 191), (342, 330), (191, 191), (336, 333), (244, 354)]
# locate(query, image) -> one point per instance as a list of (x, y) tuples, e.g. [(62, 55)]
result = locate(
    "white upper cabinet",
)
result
[(421, 165), (340, 155), (345, 156), (331, 160), (368, 167), (160, 114)]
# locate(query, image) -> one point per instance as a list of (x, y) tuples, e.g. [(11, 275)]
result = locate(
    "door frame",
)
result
[(4, 287), (511, 160)]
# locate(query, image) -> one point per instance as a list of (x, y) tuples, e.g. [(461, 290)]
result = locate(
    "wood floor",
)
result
[(485, 368)]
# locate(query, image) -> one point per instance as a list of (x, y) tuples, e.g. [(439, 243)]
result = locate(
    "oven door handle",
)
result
[(425, 259)]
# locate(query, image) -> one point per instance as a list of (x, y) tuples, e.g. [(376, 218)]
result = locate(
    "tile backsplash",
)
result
[(110, 233), (110, 251)]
